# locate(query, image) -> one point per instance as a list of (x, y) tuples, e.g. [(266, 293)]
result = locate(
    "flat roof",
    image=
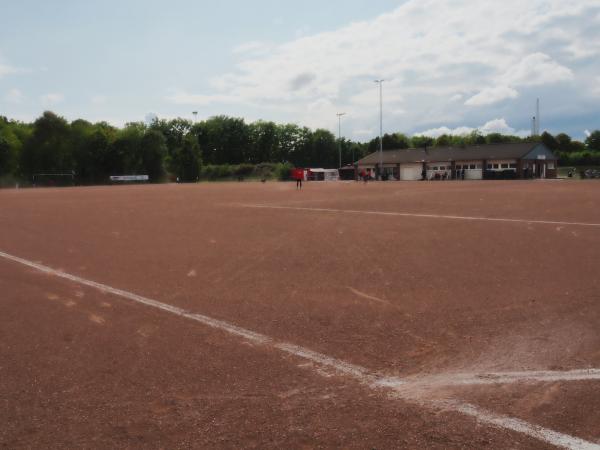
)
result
[(467, 153)]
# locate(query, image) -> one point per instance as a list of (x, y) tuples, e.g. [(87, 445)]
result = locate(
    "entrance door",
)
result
[(540, 169)]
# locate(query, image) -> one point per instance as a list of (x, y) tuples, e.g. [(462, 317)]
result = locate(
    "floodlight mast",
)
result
[(537, 117), (339, 115), (380, 83)]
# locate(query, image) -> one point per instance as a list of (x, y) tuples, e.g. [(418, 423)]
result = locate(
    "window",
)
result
[(489, 166), (496, 166), (513, 165), (478, 166), (458, 167), (551, 165), (472, 166), (504, 166)]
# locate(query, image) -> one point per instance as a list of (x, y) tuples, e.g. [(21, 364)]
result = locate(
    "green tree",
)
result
[(94, 164), (81, 133), (48, 148), (549, 141), (10, 147), (174, 131), (224, 140), (564, 142), (288, 138), (6, 157), (325, 149), (187, 160), (302, 151), (124, 155), (393, 141), (264, 142), (592, 142), (444, 140), (418, 141), (475, 138), (153, 153)]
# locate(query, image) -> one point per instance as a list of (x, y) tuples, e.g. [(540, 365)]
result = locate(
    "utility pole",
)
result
[(380, 82), (537, 117), (339, 115)]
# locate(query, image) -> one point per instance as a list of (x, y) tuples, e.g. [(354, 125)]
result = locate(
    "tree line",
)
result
[(177, 149), (185, 150)]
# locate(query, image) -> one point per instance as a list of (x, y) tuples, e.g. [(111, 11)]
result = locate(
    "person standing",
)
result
[(298, 174), (363, 175)]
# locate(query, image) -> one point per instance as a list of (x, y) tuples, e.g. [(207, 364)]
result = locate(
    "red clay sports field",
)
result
[(345, 315)]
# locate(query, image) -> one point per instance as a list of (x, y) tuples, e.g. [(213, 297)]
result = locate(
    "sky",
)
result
[(449, 66)]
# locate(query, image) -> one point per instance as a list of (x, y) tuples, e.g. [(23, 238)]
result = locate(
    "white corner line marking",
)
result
[(516, 377), (420, 215), (361, 374), (518, 425)]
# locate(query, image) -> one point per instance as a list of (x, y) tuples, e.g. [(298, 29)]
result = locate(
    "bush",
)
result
[(584, 158), (9, 180), (264, 170), (216, 172), (243, 170), (283, 171), (267, 171)]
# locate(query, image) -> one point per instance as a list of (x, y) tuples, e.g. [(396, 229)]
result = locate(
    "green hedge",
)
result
[(266, 171), (585, 158)]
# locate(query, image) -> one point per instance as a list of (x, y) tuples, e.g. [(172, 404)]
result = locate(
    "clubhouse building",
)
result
[(473, 162)]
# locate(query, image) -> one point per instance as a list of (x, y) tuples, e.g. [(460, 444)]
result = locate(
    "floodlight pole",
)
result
[(195, 114), (380, 82), (339, 115)]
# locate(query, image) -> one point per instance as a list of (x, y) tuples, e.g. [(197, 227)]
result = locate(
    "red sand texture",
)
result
[(402, 295)]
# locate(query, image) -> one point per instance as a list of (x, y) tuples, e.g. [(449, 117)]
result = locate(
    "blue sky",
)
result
[(449, 65)]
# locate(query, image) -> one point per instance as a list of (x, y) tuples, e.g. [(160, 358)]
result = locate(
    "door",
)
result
[(410, 171)]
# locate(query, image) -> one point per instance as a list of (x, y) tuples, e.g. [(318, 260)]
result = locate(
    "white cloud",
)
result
[(14, 96), (98, 99), (252, 48), (52, 99), (433, 52), (499, 126), (489, 96), (587, 133), (536, 69), (493, 126), (5, 69), (8, 69), (364, 132), (595, 86), (181, 97)]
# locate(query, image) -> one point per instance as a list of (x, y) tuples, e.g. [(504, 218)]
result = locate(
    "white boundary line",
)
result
[(515, 377), (426, 216), (359, 373), (518, 425)]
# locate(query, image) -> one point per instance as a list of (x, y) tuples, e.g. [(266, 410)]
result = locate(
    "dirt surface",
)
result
[(85, 370), (566, 407), (406, 296)]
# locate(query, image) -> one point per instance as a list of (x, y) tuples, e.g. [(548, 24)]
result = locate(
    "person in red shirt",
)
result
[(363, 175), (298, 175)]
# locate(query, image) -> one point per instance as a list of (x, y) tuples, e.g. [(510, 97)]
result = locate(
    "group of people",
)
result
[(445, 175)]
